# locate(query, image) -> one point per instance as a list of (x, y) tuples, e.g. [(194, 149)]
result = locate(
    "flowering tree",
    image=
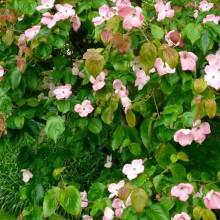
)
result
[(139, 83)]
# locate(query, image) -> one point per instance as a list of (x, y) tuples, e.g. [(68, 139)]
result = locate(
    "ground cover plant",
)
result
[(110, 109)]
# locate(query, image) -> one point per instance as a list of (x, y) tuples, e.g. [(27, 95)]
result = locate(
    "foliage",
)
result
[(138, 84)]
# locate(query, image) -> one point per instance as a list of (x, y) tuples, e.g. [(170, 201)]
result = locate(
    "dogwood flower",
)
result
[(48, 19), (108, 214), (99, 82), (108, 163), (27, 175), (120, 89), (212, 76), (212, 200), (195, 14), (2, 72), (182, 191), (121, 3), (141, 79), (132, 16), (75, 23), (46, 4), (62, 92), (64, 11), (205, 6), (126, 103), (84, 202), (200, 130), (105, 13), (188, 60), (163, 68), (84, 109), (132, 170), (182, 216), (114, 187), (214, 59), (32, 32), (87, 217), (212, 18), (184, 137), (119, 206), (164, 11)]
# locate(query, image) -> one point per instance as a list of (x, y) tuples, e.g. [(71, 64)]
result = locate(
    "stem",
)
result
[(155, 104)]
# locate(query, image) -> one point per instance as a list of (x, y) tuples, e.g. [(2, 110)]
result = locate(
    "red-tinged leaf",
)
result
[(139, 199), (124, 43), (210, 107)]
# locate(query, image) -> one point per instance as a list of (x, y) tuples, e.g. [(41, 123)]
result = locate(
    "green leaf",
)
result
[(96, 191), (58, 171), (27, 7), (208, 215), (63, 106), (33, 102), (205, 41), (193, 31), (178, 172), (148, 55), (70, 200), (54, 127), (15, 78), (108, 114), (183, 156), (157, 31), (57, 41), (130, 118), (210, 107), (135, 149), (43, 50), (172, 109), (157, 212), (50, 201), (145, 131), (163, 154), (118, 137), (187, 119), (139, 199), (35, 193), (19, 122), (198, 212), (95, 125)]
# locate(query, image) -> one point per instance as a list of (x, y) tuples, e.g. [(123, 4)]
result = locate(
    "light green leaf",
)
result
[(95, 125), (70, 200), (54, 127)]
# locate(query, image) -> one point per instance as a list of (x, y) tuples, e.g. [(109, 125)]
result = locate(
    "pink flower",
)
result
[(62, 92), (122, 3), (211, 17), (75, 22), (84, 202), (126, 103), (141, 79), (195, 14), (182, 216), (212, 200), (173, 38), (114, 187), (87, 217), (105, 13), (32, 32), (163, 68), (99, 82), (120, 89), (212, 76), (27, 175), (64, 11), (133, 17), (46, 4), (135, 64), (188, 60), (108, 214), (182, 191), (2, 72), (132, 170), (214, 59), (184, 137), (108, 163), (119, 206), (205, 6), (164, 11), (200, 130), (48, 19), (84, 109)]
